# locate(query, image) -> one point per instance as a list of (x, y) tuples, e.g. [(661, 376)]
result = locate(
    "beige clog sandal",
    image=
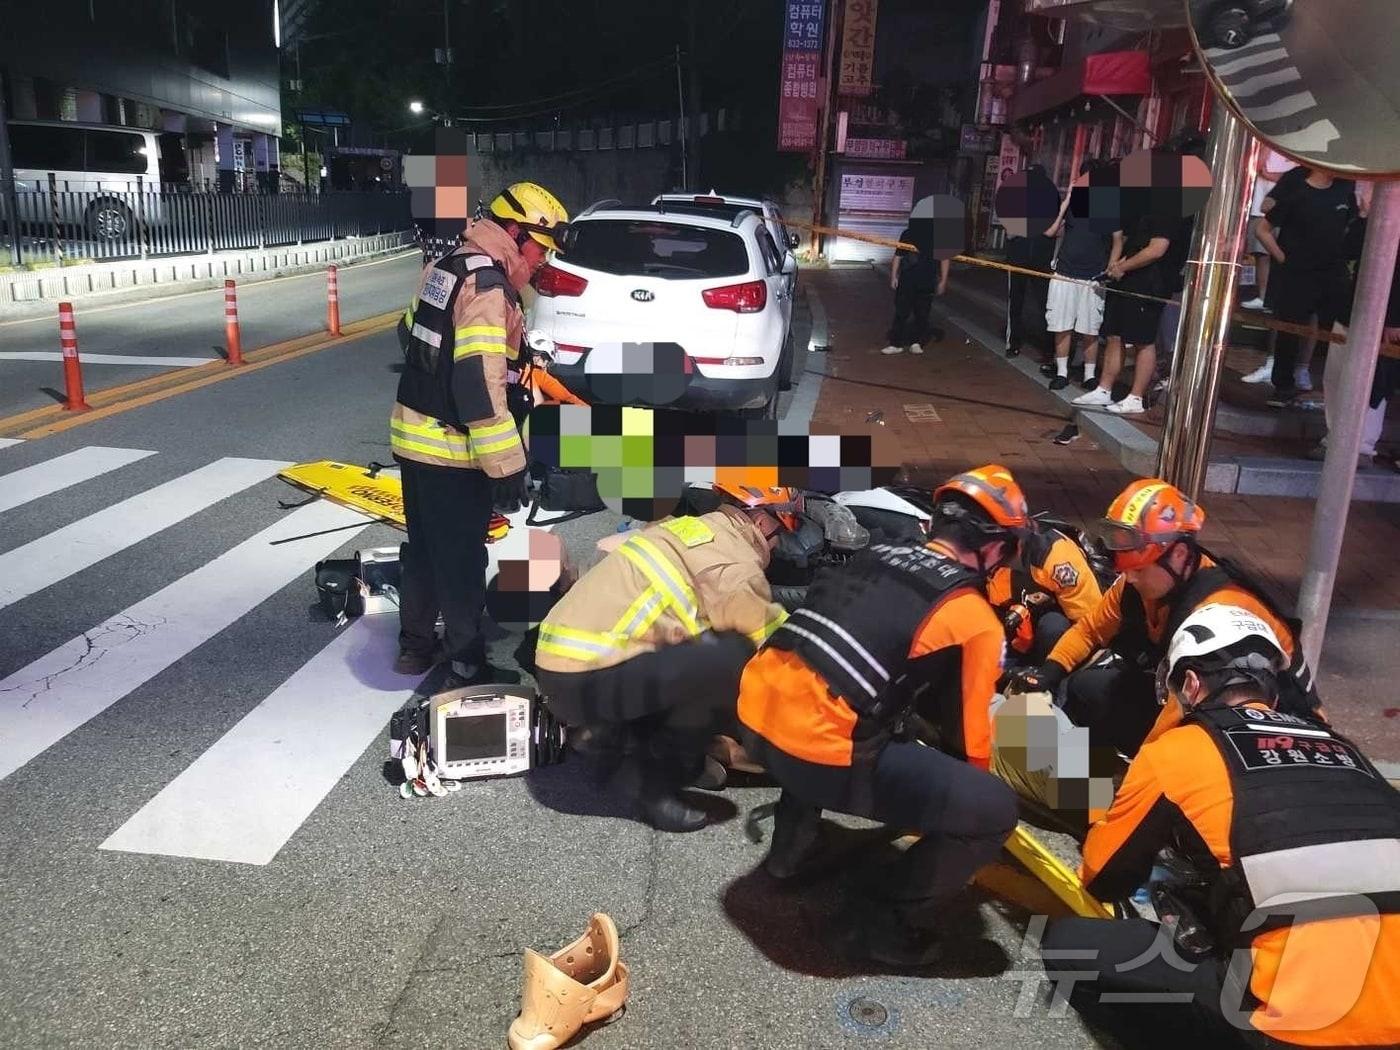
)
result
[(582, 983)]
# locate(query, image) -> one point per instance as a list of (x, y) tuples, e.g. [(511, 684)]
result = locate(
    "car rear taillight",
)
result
[(552, 281), (747, 298), (709, 200)]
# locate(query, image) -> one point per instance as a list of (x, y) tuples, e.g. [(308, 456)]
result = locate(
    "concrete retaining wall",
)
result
[(577, 178), (31, 291)]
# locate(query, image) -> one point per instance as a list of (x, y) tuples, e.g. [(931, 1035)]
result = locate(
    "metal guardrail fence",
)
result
[(53, 225)]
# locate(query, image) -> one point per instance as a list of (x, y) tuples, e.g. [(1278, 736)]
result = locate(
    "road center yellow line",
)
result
[(43, 422)]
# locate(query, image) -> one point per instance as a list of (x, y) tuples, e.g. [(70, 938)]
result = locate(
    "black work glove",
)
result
[(509, 494), (1043, 679), (790, 598)]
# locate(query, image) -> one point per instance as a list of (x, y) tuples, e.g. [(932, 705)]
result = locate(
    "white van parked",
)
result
[(97, 169)]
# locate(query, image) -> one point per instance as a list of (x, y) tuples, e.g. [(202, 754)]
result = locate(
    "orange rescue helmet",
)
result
[(1146, 520), (996, 494), (783, 502)]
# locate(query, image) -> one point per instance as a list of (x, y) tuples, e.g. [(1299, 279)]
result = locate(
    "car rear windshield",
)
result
[(636, 248)]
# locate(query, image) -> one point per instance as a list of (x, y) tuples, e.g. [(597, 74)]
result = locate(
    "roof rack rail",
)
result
[(597, 206)]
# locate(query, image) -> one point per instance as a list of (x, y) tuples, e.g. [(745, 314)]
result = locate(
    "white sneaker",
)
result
[(892, 350), (915, 348), (1262, 374), (1096, 398), (1302, 379), (1254, 304), (1129, 406)]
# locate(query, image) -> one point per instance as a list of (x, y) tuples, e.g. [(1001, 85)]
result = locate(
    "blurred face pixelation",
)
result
[(438, 192)]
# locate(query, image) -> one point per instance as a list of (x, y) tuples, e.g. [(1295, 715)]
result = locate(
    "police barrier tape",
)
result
[(1252, 318)]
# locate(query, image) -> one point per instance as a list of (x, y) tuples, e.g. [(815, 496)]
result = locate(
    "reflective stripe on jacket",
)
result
[(1280, 813), (669, 582), (456, 412)]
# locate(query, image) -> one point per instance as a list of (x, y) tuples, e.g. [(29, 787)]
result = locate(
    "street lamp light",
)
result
[(415, 107)]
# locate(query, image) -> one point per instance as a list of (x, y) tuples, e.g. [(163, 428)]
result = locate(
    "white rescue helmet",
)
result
[(1220, 637)]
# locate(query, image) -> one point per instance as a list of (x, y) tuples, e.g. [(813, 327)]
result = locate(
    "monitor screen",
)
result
[(474, 736)]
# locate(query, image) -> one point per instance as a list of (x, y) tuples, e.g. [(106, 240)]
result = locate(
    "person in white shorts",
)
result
[(1085, 252)]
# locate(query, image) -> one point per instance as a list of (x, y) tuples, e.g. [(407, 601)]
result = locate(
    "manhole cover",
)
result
[(868, 1012), (865, 1016)]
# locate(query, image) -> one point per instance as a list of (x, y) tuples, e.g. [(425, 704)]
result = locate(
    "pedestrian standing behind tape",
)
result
[(1086, 250)]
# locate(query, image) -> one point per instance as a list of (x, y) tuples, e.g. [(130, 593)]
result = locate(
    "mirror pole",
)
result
[(1349, 405), (1207, 301)]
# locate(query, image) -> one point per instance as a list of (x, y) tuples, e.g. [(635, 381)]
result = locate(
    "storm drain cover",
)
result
[(867, 1016)]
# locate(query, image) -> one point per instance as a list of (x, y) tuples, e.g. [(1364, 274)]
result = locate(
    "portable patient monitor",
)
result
[(491, 731)]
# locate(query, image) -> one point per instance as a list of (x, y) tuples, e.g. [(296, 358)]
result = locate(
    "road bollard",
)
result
[(332, 302), (235, 343), (72, 368)]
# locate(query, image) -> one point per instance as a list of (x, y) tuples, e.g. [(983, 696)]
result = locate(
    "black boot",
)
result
[(671, 812), (797, 839)]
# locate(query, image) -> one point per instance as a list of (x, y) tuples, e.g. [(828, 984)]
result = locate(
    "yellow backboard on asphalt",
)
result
[(377, 495)]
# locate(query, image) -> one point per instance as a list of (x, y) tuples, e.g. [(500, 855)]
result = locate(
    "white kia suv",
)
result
[(713, 293)]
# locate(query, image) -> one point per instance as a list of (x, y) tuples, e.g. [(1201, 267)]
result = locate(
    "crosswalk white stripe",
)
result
[(1253, 85), (1315, 138), (1260, 58), (109, 359), (44, 702), (29, 569), (245, 797), (7, 442), (1288, 106), (54, 475)]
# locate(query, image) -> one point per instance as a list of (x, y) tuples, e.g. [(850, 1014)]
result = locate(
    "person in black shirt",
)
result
[(1311, 275), (1034, 252), (1144, 269), (916, 278), (1386, 380)]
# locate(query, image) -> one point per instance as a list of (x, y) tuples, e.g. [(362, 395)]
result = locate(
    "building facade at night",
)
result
[(202, 74)]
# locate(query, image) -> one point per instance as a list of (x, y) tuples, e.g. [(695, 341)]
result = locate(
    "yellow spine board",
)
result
[(1060, 880), (380, 496)]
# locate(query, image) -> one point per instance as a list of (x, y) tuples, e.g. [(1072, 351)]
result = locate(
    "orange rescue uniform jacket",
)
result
[(1098, 629), (1181, 777), (960, 644), (1057, 567)]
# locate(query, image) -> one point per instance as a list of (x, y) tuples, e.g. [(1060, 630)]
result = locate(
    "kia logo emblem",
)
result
[(643, 296)]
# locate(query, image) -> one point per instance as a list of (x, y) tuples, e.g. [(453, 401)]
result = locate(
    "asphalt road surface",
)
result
[(123, 342), (200, 849)]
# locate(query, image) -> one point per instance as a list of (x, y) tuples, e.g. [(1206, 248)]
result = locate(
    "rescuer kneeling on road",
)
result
[(1152, 529), (1286, 902), (897, 630), (1050, 586), (452, 431), (654, 637)]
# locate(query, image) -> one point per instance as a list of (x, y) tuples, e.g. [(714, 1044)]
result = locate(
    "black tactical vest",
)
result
[(1297, 692), (858, 620), (426, 382), (1316, 829)]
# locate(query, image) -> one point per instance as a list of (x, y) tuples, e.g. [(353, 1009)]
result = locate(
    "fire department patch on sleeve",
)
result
[(1065, 574), (437, 289)]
